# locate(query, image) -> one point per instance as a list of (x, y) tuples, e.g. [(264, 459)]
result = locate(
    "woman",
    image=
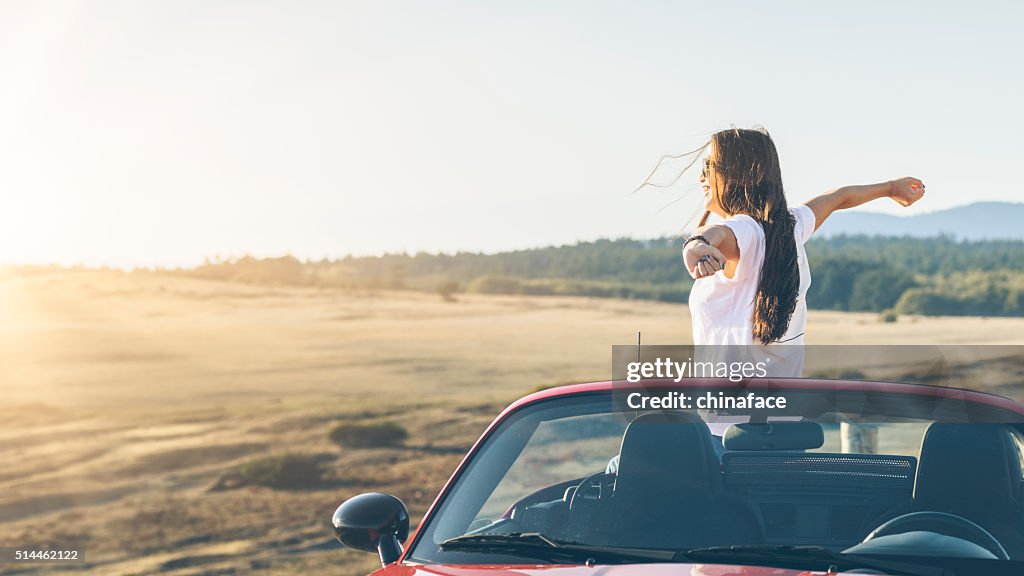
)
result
[(751, 270)]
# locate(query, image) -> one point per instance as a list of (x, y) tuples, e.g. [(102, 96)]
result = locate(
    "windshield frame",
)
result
[(980, 406)]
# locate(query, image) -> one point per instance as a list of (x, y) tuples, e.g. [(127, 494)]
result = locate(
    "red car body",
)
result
[(406, 567), (627, 570)]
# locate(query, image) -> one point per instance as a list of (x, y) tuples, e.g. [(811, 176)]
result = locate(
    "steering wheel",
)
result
[(593, 488), (949, 524)]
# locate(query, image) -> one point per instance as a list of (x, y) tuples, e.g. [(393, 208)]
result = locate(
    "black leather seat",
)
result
[(668, 490), (974, 471)]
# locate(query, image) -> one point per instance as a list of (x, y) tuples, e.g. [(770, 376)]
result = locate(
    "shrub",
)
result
[(494, 285), (929, 301), (288, 471), (447, 291), (888, 316), (368, 434)]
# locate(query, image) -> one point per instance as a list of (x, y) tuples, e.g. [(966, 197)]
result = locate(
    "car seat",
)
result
[(974, 471), (668, 490)]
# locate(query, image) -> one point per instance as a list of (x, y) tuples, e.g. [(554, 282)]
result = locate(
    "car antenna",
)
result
[(637, 413)]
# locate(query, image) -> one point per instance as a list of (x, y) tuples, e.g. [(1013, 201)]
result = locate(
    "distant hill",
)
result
[(978, 221)]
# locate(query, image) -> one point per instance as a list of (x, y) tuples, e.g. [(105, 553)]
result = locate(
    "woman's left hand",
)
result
[(702, 260), (906, 191)]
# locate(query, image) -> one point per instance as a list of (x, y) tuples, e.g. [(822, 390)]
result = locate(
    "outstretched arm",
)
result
[(904, 191)]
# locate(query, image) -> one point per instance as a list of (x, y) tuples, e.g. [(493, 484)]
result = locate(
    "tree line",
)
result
[(932, 276)]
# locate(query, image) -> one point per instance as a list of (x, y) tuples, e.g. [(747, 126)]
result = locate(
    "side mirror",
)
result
[(373, 522)]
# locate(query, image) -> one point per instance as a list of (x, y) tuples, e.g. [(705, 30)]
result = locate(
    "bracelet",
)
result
[(696, 237)]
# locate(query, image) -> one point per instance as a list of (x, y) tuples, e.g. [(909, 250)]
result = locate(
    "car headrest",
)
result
[(972, 464), (667, 453)]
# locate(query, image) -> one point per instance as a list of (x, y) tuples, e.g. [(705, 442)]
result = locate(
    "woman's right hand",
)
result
[(906, 191), (702, 260)]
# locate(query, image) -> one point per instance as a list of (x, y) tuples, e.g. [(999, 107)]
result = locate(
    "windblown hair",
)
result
[(745, 178)]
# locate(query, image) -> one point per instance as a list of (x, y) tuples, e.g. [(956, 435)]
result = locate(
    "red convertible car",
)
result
[(840, 477)]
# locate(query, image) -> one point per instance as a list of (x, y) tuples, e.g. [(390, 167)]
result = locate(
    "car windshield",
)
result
[(870, 473)]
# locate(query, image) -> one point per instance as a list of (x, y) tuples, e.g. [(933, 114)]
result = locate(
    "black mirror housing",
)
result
[(373, 522), (774, 436)]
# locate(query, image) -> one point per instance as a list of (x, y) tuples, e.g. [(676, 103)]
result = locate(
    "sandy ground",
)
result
[(126, 397)]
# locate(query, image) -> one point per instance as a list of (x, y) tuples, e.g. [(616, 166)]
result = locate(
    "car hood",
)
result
[(561, 570)]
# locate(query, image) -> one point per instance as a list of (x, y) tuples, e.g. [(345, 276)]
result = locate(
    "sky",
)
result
[(159, 133)]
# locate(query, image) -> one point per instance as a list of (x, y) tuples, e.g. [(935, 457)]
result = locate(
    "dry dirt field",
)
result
[(125, 398)]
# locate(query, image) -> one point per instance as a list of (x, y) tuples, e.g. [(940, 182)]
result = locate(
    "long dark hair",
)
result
[(746, 179)]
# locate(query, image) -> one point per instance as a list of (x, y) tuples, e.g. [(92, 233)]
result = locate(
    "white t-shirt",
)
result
[(723, 308)]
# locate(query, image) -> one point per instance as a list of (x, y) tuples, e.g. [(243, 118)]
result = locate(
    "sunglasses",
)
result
[(707, 166)]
